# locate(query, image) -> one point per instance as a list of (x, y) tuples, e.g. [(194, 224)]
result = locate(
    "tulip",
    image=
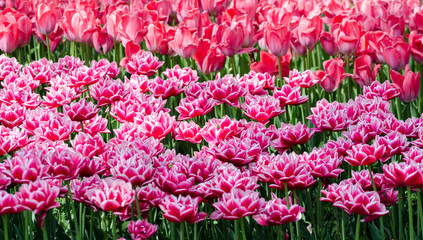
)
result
[(303, 80), (10, 203), (81, 111), (188, 132), (333, 75), (363, 73), (385, 90), (277, 39), (403, 174), (397, 56), (261, 109), (408, 85), (269, 64), (237, 151), (8, 33), (363, 154), (416, 46), (157, 38), (208, 58), (230, 177), (309, 31), (182, 209), (141, 229), (347, 33), (27, 165), (191, 107), (328, 44), (141, 63), (185, 43), (157, 125), (323, 163), (238, 204), (165, 88), (101, 41), (78, 25), (288, 95), (107, 91), (216, 130), (226, 90), (132, 29), (89, 146), (46, 17)]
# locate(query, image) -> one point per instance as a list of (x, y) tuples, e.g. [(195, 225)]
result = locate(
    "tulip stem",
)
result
[(48, 48), (91, 223), (291, 226), (357, 228), (280, 71), (297, 224), (234, 66), (244, 235), (44, 229), (343, 224), (75, 221), (382, 228), (182, 230), (172, 231), (419, 207), (410, 213), (138, 205), (5, 226), (400, 210), (236, 231)]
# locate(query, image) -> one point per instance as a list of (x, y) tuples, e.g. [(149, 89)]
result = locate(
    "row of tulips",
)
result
[(202, 119)]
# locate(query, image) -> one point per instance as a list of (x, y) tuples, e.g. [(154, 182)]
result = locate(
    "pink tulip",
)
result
[(24, 26), (174, 182), (151, 194), (107, 91), (132, 29), (255, 83), (323, 163), (8, 66), (55, 127), (408, 85), (269, 64), (13, 115), (403, 174), (180, 209), (333, 75), (185, 75), (208, 58), (385, 90), (188, 132), (328, 44), (81, 111), (363, 154), (277, 39), (141, 229), (238, 204), (27, 165), (347, 33), (12, 139), (230, 177), (363, 73), (8, 32), (397, 55), (95, 125), (158, 125), (157, 38), (237, 151), (394, 142), (213, 7), (309, 30), (289, 135), (288, 95), (363, 178), (10, 203), (165, 88), (64, 163), (364, 131), (303, 80), (416, 46), (141, 63), (216, 130), (226, 90), (101, 41), (111, 194), (89, 146), (46, 17), (276, 212), (78, 25), (185, 43), (261, 109)]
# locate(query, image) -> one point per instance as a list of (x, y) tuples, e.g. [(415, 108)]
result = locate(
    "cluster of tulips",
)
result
[(211, 119)]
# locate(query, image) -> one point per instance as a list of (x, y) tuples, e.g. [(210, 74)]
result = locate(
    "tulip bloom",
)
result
[(347, 33), (363, 73), (309, 31), (408, 85), (209, 59), (8, 33), (185, 43), (277, 39), (46, 17), (333, 75)]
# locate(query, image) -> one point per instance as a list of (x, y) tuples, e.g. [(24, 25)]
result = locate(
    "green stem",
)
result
[(382, 228), (91, 223), (400, 210), (280, 71), (410, 213), (75, 220), (343, 224), (319, 208), (244, 235), (172, 231), (291, 226), (44, 229), (25, 213), (357, 228), (234, 65), (419, 208), (138, 205), (5, 226), (182, 231), (236, 230), (114, 227), (297, 223)]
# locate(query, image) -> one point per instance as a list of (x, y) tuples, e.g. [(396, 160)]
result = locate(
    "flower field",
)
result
[(211, 119)]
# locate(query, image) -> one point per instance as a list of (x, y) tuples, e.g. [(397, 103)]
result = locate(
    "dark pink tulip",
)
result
[(182, 209), (84, 76), (157, 125), (59, 93), (215, 130), (331, 78), (261, 109), (364, 131), (394, 142), (230, 177), (81, 111), (135, 104), (24, 26), (323, 163), (64, 164), (88, 145), (329, 116), (55, 127), (414, 154), (397, 55), (46, 17), (12, 115), (158, 37), (141, 63), (188, 132), (174, 182), (238, 204), (364, 154), (226, 90), (41, 70), (134, 168), (289, 135), (27, 165), (95, 125), (38, 197), (151, 194), (185, 75), (141, 229), (12, 139), (407, 127), (8, 66), (165, 88), (237, 151), (269, 64), (107, 91), (403, 174), (79, 189), (356, 200), (303, 80), (363, 178), (10, 203), (276, 212), (8, 32), (416, 46), (255, 83), (111, 194), (364, 73), (408, 84), (385, 90), (208, 58), (78, 24), (347, 33), (328, 44), (229, 37), (288, 95), (333, 192), (340, 146)]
